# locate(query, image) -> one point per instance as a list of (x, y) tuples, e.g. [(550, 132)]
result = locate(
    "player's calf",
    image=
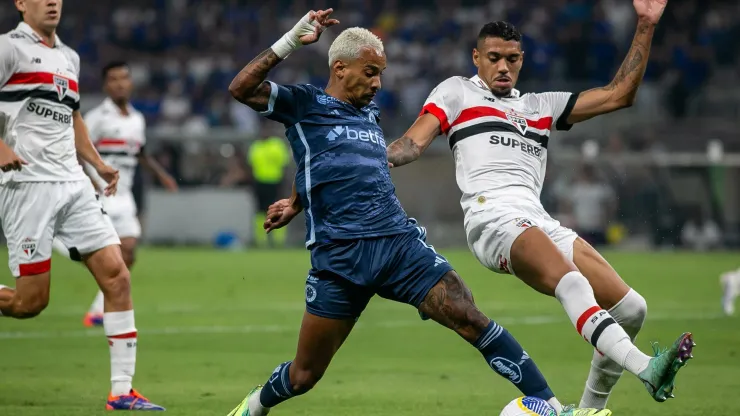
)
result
[(450, 303), (28, 299)]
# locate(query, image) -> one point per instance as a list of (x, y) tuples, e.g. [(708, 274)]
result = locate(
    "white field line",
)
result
[(533, 320)]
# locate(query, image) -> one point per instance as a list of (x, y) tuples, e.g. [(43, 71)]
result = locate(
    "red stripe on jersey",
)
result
[(111, 142), (124, 336), (584, 317), (39, 78), (31, 269), (432, 109), (544, 123)]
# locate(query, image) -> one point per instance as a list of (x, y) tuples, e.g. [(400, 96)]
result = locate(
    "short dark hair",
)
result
[(112, 65), (500, 29)]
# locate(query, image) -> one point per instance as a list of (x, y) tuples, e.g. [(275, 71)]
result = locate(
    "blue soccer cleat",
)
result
[(131, 401)]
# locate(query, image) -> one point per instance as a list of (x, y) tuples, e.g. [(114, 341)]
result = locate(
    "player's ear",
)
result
[(476, 57), (21, 6), (339, 68)]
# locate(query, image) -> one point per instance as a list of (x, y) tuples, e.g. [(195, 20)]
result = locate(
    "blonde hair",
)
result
[(350, 42)]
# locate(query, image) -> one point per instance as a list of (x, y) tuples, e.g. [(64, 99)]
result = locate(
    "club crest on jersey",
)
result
[(61, 85), (518, 121), (29, 247)]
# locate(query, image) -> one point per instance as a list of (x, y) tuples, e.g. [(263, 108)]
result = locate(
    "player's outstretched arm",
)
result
[(414, 142), (151, 165), (249, 86), (87, 152), (621, 92)]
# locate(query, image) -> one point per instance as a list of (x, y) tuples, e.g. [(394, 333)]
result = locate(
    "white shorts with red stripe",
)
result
[(492, 229), (32, 214)]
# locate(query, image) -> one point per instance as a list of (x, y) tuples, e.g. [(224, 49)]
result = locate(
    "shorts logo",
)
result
[(481, 199), (523, 222), (507, 369), (310, 293), (29, 247), (503, 264), (518, 121), (62, 85)]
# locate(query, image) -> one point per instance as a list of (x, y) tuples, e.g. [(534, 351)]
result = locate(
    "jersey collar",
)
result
[(476, 80), (25, 28), (109, 104)]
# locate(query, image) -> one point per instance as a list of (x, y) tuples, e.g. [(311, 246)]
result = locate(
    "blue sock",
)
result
[(278, 388), (505, 356)]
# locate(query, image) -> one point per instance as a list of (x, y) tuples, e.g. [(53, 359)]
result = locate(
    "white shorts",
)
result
[(34, 213), (491, 234), (121, 208)]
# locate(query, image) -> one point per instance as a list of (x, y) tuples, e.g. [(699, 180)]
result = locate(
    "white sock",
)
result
[(630, 313), (60, 248), (596, 325), (121, 333), (98, 304), (555, 403), (255, 406)]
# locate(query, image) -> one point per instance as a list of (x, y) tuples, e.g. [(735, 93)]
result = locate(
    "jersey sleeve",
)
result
[(445, 103), (7, 60), (287, 103), (559, 105)]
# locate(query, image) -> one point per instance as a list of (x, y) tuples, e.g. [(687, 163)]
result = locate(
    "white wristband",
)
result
[(286, 45)]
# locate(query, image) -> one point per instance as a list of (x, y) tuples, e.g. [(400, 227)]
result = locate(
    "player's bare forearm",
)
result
[(153, 167), (295, 202), (403, 151), (85, 149), (249, 86), (622, 90), (414, 142)]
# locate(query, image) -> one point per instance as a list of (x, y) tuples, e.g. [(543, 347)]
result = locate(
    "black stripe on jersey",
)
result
[(492, 127), (116, 153), (16, 96), (599, 329), (562, 123)]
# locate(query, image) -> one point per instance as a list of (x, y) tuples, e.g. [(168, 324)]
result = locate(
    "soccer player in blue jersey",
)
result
[(361, 241)]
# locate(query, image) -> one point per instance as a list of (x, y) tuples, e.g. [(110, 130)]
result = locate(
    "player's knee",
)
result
[(633, 310), (117, 285), (306, 379)]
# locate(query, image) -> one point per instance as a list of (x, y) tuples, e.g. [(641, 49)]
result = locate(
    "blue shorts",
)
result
[(347, 274)]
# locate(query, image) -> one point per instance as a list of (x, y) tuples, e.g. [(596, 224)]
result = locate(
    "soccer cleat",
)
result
[(131, 401), (93, 319), (729, 283), (571, 410), (243, 408), (660, 375)]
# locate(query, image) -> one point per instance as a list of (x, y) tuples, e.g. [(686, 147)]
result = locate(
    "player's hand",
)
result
[(320, 21), (650, 10), (169, 183), (9, 160), (279, 215), (110, 176)]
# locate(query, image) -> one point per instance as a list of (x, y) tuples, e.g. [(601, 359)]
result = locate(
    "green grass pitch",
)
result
[(214, 324)]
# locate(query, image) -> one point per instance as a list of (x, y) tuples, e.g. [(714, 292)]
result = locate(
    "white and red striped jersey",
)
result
[(38, 94), (499, 143), (118, 138)]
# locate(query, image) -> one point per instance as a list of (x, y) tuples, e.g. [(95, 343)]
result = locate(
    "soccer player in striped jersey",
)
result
[(118, 132), (45, 194), (499, 138)]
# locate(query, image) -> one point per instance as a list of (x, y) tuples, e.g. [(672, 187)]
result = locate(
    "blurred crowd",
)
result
[(185, 52)]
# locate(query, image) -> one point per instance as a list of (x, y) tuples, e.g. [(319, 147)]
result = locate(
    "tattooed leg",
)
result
[(451, 304)]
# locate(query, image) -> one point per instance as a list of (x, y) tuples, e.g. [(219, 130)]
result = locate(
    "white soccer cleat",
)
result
[(729, 283)]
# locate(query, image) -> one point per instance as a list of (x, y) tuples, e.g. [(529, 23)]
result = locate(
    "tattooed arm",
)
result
[(413, 143), (621, 92), (249, 86)]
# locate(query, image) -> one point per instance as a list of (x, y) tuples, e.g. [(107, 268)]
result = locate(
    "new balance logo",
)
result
[(342, 132), (35, 60), (439, 260)]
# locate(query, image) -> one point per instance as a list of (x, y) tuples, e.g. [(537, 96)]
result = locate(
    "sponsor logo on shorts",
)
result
[(523, 222), (29, 247), (507, 369)]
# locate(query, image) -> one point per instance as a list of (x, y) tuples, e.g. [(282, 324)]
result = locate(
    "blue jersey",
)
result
[(343, 179)]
